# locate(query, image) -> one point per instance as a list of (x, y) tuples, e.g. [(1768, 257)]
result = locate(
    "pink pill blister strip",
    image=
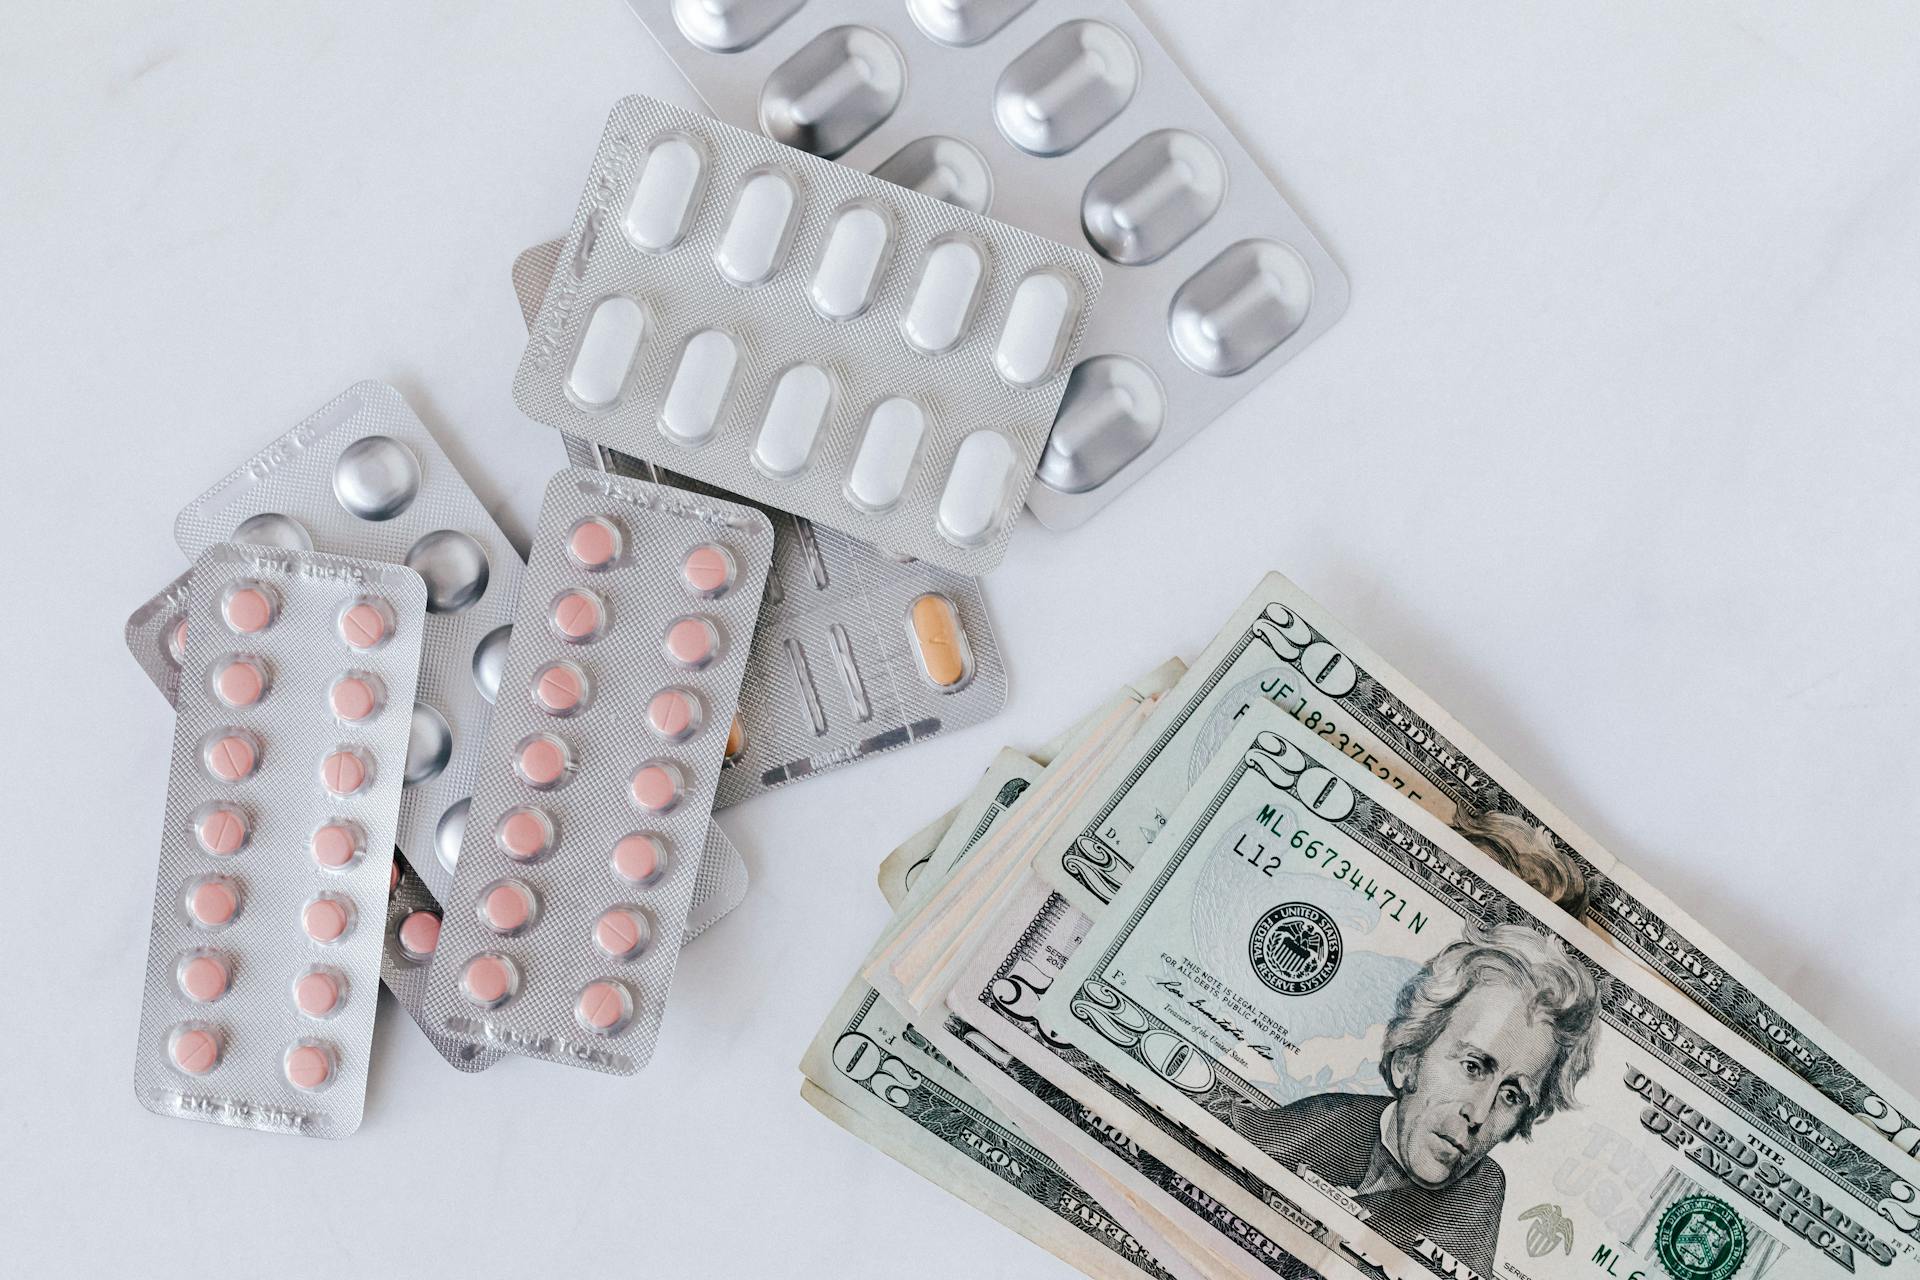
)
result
[(277, 844), (156, 636), (583, 843)]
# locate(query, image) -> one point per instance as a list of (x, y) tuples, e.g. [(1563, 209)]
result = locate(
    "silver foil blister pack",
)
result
[(1068, 118), (806, 335), (856, 653), (155, 635), (583, 842), (363, 477), (276, 847)]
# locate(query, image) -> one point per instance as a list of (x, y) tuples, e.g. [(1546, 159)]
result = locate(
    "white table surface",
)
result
[(1615, 452)]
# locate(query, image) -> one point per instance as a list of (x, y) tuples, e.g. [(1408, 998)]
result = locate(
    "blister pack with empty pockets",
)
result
[(277, 842), (806, 335), (566, 919), (1068, 118), (362, 476), (855, 653)]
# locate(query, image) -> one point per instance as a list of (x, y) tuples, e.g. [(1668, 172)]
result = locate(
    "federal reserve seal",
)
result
[(1295, 948), (1701, 1238)]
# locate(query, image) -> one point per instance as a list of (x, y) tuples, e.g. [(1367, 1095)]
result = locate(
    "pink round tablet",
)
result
[(525, 834), (488, 979), (594, 543), (213, 903), (673, 714), (506, 906), (335, 845), (656, 787), (353, 698), (204, 978), (177, 642), (393, 876), (576, 615), (363, 625), (419, 934), (543, 761), (637, 858), (195, 1050), (559, 688), (248, 609), (317, 993), (240, 683), (621, 932), (308, 1066), (708, 570), (692, 642), (231, 757), (343, 772), (221, 831), (603, 1005), (325, 919)]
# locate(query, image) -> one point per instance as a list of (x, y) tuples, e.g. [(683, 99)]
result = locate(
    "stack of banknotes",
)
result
[(1268, 967)]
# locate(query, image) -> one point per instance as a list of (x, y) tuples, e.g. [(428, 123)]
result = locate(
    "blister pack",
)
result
[(277, 844), (575, 878), (1067, 118), (856, 653), (156, 636), (802, 333), (363, 477)]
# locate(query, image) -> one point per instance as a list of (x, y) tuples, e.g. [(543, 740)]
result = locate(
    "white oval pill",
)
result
[(849, 267), (887, 450), (1037, 326), (699, 387), (976, 488), (607, 349), (942, 301), (794, 414), (756, 231), (663, 198)]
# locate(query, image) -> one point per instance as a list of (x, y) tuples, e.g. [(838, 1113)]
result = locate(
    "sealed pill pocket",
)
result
[(806, 335), (1068, 119), (584, 841), (277, 840), (856, 652)]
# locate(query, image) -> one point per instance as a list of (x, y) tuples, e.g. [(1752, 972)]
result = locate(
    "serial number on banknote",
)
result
[(1281, 692)]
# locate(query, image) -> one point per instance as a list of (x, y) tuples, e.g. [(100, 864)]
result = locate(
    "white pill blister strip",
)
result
[(1068, 118), (806, 335), (850, 658), (156, 636), (567, 915), (276, 847)]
